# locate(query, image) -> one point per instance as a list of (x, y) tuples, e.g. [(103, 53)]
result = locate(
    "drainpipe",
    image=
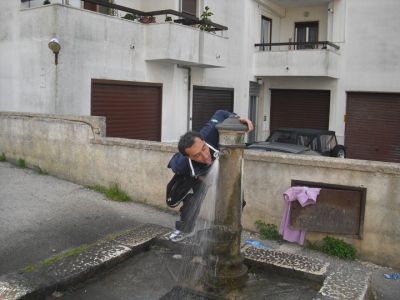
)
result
[(189, 73)]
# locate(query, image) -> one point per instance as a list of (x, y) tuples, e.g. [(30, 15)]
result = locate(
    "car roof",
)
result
[(304, 130), (281, 147)]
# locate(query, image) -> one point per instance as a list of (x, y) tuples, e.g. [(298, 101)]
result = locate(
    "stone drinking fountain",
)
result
[(225, 268)]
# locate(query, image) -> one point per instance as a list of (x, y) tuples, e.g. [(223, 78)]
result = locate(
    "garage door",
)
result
[(372, 126), (132, 109), (206, 101), (300, 109)]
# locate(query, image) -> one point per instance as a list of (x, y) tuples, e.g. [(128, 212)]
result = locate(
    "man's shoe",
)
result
[(178, 235)]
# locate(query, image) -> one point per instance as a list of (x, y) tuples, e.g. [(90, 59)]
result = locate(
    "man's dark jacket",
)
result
[(180, 163)]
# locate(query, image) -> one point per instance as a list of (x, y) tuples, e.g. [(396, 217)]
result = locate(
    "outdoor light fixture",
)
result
[(55, 46)]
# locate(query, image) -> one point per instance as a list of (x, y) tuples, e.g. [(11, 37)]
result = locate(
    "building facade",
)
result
[(326, 64)]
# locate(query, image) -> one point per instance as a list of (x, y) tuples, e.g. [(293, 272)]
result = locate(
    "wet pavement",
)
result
[(153, 274)]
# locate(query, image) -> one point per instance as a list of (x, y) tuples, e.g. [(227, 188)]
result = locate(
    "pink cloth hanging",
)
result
[(305, 196)]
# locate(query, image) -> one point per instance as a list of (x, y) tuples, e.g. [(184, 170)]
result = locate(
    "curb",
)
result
[(66, 271), (343, 282)]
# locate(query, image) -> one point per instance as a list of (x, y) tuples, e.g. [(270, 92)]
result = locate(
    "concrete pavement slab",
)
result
[(43, 215)]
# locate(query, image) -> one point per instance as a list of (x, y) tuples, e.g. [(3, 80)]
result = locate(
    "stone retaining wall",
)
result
[(76, 149)]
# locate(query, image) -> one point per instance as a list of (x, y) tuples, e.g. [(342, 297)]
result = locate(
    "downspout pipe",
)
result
[(189, 74)]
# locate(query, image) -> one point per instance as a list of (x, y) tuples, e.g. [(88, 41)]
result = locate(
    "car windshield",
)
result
[(328, 142), (283, 137), (308, 141)]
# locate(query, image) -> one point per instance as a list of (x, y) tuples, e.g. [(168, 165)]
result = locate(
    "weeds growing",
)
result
[(334, 247), (21, 163), (113, 192), (268, 231)]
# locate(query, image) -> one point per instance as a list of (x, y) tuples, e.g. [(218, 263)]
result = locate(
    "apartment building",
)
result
[(325, 64)]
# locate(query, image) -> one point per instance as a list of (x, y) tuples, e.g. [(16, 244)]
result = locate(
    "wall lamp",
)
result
[(55, 46)]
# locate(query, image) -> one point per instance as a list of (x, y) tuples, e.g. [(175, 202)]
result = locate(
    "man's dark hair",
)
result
[(187, 141)]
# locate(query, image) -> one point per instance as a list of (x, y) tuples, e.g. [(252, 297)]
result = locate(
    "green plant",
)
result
[(45, 2), (338, 248), (268, 231), (113, 192), (68, 253), (2, 157), (54, 259), (205, 20), (130, 16), (168, 18), (21, 163)]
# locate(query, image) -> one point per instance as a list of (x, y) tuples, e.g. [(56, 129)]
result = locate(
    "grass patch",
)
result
[(334, 247), (54, 259), (339, 248), (68, 253), (21, 163), (2, 157), (29, 269), (113, 192), (268, 231)]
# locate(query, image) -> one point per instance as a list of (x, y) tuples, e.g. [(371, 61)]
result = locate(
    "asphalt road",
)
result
[(42, 215)]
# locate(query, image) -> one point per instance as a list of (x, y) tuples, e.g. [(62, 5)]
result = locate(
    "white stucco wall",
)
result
[(368, 59), (303, 14), (371, 55), (99, 46), (9, 62), (96, 46)]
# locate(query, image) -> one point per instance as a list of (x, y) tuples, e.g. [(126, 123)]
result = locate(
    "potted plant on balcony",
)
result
[(168, 18), (205, 20), (130, 17), (45, 2)]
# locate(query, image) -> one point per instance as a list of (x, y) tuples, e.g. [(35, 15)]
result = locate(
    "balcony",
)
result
[(177, 41), (174, 43), (286, 59)]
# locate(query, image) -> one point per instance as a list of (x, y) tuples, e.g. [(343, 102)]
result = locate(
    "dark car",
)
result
[(323, 142), (281, 147)]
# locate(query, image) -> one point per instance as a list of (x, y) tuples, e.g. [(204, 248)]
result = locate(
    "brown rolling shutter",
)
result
[(132, 109), (206, 101), (372, 126), (90, 6), (300, 109), (189, 7)]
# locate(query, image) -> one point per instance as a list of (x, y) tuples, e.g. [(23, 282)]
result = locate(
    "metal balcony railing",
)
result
[(297, 45), (183, 18)]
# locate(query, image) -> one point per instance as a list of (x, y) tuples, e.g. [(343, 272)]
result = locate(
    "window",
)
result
[(306, 33), (266, 30), (99, 8), (328, 143), (189, 7)]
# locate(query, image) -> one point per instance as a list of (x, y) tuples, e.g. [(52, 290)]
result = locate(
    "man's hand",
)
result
[(248, 123)]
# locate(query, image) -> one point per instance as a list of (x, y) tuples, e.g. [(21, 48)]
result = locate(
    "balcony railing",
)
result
[(296, 45), (183, 18)]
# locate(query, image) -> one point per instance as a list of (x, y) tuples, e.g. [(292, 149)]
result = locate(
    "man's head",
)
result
[(192, 145)]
